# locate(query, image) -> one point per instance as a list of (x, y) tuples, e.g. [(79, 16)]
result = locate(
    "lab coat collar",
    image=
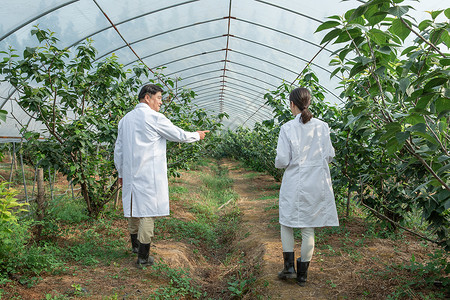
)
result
[(142, 105)]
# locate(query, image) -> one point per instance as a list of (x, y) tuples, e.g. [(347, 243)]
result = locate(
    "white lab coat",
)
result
[(306, 194), (140, 159)]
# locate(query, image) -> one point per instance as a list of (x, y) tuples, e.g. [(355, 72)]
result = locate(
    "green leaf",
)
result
[(414, 119), (334, 72), (375, 15), (445, 37), (358, 68), (445, 61), (435, 82), (344, 53), (420, 127), (398, 11), (393, 146), (443, 169), (358, 12), (425, 24), (442, 105), (3, 114), (391, 129), (403, 84), (399, 29), (447, 13), (331, 35), (402, 137), (435, 14), (377, 36), (327, 25)]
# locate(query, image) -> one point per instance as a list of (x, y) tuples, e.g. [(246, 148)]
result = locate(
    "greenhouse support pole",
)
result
[(50, 182), (71, 187), (13, 158), (40, 199), (23, 177), (34, 181)]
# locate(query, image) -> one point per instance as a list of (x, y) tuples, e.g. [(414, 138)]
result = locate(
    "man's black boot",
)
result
[(289, 269), (302, 271), (144, 260), (134, 243)]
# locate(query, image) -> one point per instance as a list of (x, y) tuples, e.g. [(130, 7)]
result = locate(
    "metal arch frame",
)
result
[(193, 67), (255, 69), (135, 18), (290, 10), (241, 86), (168, 49), (208, 84), (229, 17), (222, 94), (179, 59), (264, 60), (36, 17), (287, 53), (238, 111), (235, 84), (248, 76), (184, 85), (282, 32), (240, 96), (7, 98), (243, 81), (199, 74), (221, 97), (210, 89)]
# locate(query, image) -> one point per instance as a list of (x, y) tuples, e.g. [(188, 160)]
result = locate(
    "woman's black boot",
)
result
[(289, 269), (144, 260), (302, 271), (134, 243)]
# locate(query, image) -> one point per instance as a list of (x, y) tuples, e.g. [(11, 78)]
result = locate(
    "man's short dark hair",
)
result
[(149, 89)]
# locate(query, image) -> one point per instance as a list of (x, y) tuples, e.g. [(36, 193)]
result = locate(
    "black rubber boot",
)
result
[(302, 271), (134, 243), (144, 260), (289, 269)]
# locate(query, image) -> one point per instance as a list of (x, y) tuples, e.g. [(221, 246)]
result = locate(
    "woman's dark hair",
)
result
[(301, 98), (149, 89)]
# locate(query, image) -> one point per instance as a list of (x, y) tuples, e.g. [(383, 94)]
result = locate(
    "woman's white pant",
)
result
[(307, 247)]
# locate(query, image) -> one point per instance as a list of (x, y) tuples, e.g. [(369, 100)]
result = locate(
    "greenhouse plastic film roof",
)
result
[(230, 52)]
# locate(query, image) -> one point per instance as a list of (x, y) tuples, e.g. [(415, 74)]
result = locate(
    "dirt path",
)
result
[(257, 193), (349, 262)]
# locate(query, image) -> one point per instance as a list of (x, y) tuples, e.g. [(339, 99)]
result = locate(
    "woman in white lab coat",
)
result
[(306, 196), (140, 159)]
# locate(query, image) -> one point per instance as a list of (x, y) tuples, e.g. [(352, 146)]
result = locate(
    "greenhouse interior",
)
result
[(377, 72)]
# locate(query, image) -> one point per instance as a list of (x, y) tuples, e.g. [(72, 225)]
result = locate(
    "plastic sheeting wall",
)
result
[(230, 52)]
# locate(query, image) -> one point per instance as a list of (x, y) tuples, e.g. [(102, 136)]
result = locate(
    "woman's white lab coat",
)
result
[(140, 159), (306, 194)]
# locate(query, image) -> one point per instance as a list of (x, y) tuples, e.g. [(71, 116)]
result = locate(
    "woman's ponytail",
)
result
[(306, 115), (301, 98)]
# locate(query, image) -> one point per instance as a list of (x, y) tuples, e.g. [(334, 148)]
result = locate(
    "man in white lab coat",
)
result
[(140, 159)]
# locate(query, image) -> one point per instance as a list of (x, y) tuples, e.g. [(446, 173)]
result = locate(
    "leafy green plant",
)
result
[(397, 108), (180, 285), (9, 210), (67, 92)]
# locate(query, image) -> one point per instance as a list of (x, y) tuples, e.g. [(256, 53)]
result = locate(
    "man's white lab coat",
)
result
[(140, 159), (306, 194)]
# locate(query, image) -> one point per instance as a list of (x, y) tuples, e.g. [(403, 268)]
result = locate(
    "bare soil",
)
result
[(346, 264)]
